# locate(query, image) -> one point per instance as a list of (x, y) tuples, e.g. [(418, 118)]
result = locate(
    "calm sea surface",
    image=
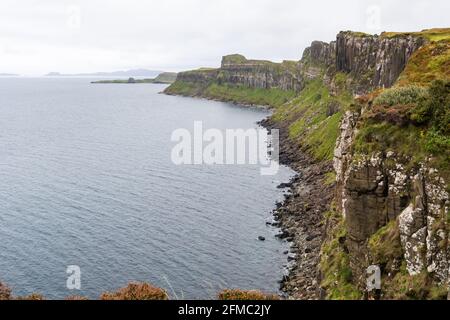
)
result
[(86, 179)]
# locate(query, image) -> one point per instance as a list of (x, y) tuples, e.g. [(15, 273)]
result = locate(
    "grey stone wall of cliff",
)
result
[(201, 77), (374, 190), (320, 53), (374, 61), (260, 74), (371, 62)]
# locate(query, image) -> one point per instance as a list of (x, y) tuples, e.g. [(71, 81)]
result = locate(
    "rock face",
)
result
[(237, 70), (320, 53), (374, 61), (371, 61), (200, 77), (372, 191)]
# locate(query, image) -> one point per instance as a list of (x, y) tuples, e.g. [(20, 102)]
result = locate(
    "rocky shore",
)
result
[(300, 217), (363, 120)]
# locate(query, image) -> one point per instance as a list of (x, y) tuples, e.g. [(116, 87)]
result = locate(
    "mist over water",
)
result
[(86, 179)]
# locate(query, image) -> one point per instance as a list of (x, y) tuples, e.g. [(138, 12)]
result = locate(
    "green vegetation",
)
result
[(184, 88), (403, 286), (330, 178), (236, 94), (334, 265), (385, 245), (241, 94), (409, 95), (429, 63), (436, 34), (425, 128), (234, 59), (314, 117), (358, 34)]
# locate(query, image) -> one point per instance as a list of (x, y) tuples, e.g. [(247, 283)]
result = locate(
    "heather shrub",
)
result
[(409, 95), (33, 296), (75, 298), (245, 295), (136, 291), (5, 292)]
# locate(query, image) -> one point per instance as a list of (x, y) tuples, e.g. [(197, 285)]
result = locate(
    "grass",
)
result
[(423, 135), (337, 276), (358, 34), (436, 34), (403, 286), (310, 120), (245, 95), (385, 245), (429, 63), (234, 59), (236, 94), (184, 88)]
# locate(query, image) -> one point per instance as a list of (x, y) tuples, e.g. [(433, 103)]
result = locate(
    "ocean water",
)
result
[(86, 179)]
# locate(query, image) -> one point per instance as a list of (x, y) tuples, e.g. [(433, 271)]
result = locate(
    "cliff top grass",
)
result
[(357, 34), (431, 62), (436, 34), (238, 59), (411, 121), (202, 70), (234, 59)]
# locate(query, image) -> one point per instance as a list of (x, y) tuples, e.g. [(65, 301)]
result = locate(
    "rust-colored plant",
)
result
[(246, 295), (136, 291), (5, 292), (75, 298), (33, 296)]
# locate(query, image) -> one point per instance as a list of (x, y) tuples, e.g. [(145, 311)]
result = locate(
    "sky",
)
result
[(69, 36)]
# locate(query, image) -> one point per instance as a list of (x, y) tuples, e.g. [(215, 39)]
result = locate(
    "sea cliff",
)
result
[(365, 122)]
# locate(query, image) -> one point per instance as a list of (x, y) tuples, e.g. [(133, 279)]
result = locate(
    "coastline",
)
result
[(300, 215), (231, 101)]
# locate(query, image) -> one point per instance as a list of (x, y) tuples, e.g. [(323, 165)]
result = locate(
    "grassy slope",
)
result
[(315, 129), (311, 124), (235, 94)]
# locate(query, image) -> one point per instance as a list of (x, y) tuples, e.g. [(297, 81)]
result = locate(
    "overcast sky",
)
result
[(39, 36)]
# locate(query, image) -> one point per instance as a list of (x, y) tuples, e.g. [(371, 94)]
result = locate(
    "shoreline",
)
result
[(300, 215)]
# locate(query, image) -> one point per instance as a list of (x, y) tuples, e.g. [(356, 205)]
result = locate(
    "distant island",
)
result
[(162, 78), (8, 75), (126, 73)]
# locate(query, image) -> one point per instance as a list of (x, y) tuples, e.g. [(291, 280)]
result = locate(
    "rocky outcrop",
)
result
[(424, 228), (374, 190), (374, 61), (237, 70), (200, 77), (320, 53)]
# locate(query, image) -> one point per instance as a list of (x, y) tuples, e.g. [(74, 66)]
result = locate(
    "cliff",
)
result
[(253, 82), (365, 121)]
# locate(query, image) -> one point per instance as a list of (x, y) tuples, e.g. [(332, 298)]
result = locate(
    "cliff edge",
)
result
[(365, 120)]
